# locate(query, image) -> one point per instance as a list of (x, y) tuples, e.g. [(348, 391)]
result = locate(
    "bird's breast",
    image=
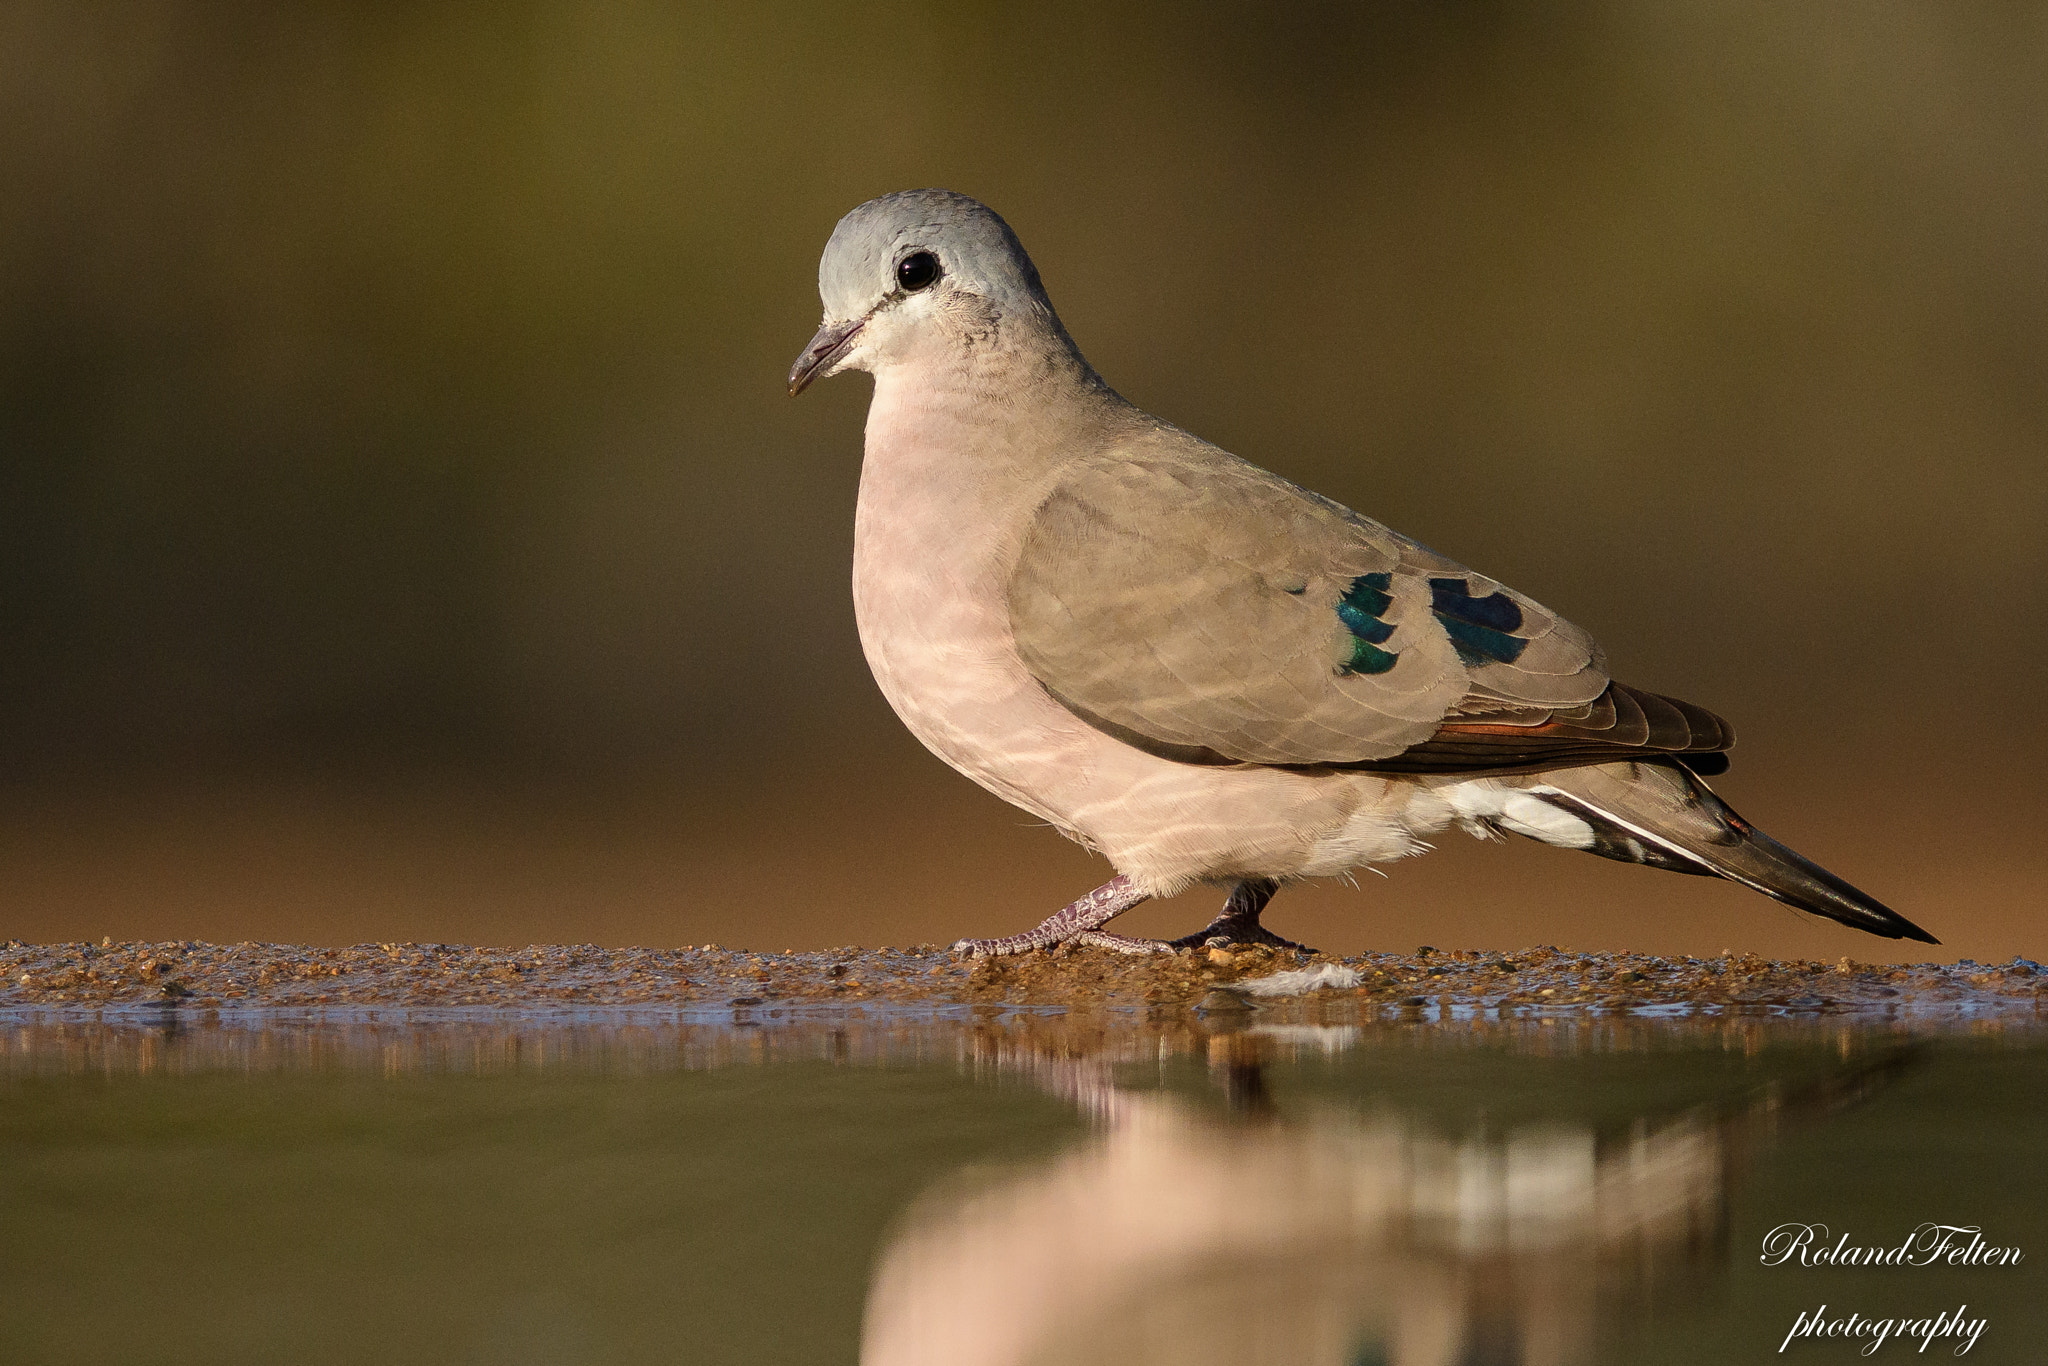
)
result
[(934, 541)]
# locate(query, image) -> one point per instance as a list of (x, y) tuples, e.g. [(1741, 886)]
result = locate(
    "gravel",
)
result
[(186, 974)]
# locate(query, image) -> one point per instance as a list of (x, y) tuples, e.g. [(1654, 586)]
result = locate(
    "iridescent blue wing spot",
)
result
[(1359, 609), (1478, 627)]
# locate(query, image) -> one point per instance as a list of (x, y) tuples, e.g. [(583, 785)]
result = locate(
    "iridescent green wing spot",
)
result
[(1359, 609)]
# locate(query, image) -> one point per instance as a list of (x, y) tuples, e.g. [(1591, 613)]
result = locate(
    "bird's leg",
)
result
[(1076, 923), (1238, 921)]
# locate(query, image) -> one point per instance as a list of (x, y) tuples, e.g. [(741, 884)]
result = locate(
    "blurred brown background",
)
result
[(404, 534)]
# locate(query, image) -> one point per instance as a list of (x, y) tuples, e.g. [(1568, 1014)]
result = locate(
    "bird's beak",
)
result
[(825, 349)]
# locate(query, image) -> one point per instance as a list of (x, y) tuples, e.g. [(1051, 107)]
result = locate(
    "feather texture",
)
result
[(1200, 607)]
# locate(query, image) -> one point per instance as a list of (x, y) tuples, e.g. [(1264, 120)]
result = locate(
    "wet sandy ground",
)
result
[(200, 976)]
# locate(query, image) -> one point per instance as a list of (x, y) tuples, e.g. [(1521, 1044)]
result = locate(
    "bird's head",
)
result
[(917, 271)]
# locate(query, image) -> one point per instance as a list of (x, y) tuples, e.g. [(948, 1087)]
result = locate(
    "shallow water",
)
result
[(395, 1187)]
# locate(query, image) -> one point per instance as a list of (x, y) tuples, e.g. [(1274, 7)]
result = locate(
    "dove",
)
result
[(1191, 666)]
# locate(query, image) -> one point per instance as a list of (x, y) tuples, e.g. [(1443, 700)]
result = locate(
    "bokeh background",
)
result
[(404, 534)]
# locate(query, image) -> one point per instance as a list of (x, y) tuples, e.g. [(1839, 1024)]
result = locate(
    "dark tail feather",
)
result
[(1659, 814)]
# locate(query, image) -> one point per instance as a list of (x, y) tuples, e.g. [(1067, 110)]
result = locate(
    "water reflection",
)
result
[(1313, 1233), (1006, 1187)]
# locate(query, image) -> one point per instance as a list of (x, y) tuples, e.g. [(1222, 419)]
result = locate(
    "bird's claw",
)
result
[(1070, 924), (1024, 943), (1224, 934), (1081, 924)]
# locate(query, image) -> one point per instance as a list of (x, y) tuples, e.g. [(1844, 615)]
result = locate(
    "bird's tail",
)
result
[(1658, 813)]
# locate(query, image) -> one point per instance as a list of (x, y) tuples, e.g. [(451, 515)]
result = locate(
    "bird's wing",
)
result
[(1206, 610)]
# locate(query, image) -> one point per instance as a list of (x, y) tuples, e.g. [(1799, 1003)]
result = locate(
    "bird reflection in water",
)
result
[(1318, 1238)]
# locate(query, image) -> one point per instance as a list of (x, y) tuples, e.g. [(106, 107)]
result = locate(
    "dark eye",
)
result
[(917, 270)]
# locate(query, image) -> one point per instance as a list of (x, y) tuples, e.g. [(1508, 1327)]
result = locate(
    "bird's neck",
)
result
[(1000, 407)]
